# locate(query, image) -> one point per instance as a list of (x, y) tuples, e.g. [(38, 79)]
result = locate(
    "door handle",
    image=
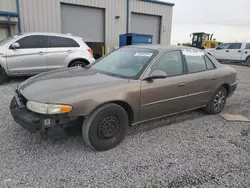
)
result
[(239, 51), (182, 84), (215, 78), (227, 50), (245, 52), (41, 53), (69, 51)]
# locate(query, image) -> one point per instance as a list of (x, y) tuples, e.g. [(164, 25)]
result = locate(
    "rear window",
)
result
[(248, 46), (60, 42), (195, 61)]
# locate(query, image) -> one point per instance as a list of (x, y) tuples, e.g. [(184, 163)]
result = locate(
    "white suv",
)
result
[(232, 52), (33, 53)]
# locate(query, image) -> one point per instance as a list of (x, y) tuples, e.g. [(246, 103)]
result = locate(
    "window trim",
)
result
[(148, 69)]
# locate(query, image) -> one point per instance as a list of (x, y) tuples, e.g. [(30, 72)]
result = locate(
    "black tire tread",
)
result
[(208, 109), (87, 122), (248, 61), (3, 75), (78, 61)]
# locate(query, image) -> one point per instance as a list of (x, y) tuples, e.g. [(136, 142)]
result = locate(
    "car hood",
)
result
[(56, 86)]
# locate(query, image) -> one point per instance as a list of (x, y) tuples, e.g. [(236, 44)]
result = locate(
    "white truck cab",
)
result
[(233, 52)]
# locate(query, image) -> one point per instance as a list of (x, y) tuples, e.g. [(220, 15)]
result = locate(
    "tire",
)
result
[(248, 61), (3, 75), (78, 64), (94, 128), (218, 101)]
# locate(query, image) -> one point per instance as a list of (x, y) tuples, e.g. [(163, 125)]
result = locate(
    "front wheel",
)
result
[(248, 61), (106, 127), (218, 101)]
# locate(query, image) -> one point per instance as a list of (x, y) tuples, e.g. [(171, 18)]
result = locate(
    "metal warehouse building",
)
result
[(97, 21)]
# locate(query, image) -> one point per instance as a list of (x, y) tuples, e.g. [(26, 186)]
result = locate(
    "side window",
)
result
[(60, 42), (248, 46), (34, 41), (223, 46), (210, 64), (195, 61), (170, 62), (235, 46), (74, 43)]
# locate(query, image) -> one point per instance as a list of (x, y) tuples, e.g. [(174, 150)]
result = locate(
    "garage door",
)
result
[(85, 22), (146, 24), (3, 33)]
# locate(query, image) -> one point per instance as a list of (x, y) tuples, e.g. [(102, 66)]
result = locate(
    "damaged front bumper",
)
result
[(34, 122)]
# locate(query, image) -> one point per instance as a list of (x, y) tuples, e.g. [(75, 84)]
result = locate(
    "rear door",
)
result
[(234, 51), (61, 51), (203, 78), (245, 52), (160, 97), (220, 52), (30, 58)]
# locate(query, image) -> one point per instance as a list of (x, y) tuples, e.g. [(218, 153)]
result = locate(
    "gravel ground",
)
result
[(187, 150)]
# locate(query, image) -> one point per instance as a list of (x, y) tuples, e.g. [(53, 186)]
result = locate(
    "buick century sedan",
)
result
[(131, 85)]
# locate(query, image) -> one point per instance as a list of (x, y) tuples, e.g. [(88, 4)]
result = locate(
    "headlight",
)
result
[(42, 108)]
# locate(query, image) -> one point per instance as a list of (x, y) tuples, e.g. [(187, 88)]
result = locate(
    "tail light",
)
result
[(90, 50)]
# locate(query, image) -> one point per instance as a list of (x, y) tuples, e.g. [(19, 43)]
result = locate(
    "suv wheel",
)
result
[(248, 61), (78, 64), (106, 127), (3, 75), (218, 101)]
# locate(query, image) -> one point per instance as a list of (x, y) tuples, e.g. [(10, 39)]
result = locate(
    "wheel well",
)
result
[(127, 108), (226, 86), (79, 59), (247, 57)]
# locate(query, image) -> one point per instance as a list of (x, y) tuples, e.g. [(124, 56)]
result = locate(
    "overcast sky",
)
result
[(229, 20)]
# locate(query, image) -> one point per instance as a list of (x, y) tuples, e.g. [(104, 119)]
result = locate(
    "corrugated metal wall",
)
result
[(156, 9), (8, 5), (45, 15)]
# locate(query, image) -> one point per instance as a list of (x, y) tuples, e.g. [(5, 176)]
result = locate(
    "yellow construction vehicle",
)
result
[(202, 40)]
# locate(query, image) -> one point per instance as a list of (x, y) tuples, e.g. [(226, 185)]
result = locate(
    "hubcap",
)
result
[(108, 127), (79, 65), (219, 100)]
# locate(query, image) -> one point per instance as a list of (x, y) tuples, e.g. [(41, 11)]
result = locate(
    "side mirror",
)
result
[(156, 74), (15, 45)]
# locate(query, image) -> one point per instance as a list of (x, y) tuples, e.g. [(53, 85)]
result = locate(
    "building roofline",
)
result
[(160, 2)]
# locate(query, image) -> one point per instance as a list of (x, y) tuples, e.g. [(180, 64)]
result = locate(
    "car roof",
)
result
[(48, 33), (162, 47)]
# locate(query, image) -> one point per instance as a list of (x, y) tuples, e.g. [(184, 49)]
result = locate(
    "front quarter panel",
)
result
[(84, 104)]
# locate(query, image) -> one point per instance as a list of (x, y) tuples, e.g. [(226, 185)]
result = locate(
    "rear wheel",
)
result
[(106, 127), (248, 61), (218, 101), (78, 64), (3, 75)]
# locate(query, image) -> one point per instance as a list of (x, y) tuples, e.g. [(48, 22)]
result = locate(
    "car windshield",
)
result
[(124, 62), (4, 41)]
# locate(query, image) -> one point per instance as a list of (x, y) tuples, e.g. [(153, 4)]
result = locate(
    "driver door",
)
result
[(220, 52), (30, 57), (160, 97)]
